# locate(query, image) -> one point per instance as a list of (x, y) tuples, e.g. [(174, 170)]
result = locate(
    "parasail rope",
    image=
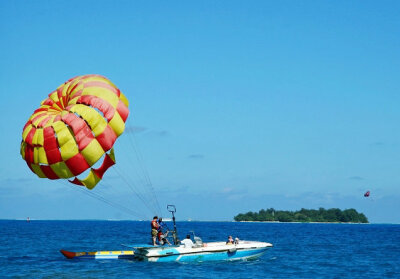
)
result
[(94, 195), (133, 143), (132, 187)]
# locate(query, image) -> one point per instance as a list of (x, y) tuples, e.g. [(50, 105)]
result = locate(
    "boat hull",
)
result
[(219, 256), (212, 252)]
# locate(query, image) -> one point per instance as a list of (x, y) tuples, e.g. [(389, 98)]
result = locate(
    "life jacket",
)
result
[(154, 224)]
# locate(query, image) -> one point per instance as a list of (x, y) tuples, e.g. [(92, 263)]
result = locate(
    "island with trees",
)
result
[(321, 215)]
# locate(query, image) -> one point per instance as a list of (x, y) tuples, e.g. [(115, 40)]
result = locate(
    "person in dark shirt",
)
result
[(162, 232)]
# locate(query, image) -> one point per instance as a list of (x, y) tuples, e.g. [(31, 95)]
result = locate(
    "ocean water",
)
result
[(31, 250)]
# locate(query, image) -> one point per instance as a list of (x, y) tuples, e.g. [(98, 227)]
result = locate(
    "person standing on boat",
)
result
[(187, 242), (154, 229)]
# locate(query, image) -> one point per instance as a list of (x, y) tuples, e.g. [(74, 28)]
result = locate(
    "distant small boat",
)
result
[(28, 220)]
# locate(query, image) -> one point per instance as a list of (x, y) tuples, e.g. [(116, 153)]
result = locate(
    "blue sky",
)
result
[(235, 105)]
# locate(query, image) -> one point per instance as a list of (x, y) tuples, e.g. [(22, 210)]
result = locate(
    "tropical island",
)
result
[(321, 215)]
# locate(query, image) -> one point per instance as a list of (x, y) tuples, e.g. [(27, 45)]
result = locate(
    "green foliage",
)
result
[(305, 215)]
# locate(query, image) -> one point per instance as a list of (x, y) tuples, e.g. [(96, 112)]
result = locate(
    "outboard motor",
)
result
[(197, 240)]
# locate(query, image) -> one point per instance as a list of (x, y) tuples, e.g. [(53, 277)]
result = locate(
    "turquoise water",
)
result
[(300, 250)]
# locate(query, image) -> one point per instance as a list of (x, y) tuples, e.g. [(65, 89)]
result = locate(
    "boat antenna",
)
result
[(171, 208)]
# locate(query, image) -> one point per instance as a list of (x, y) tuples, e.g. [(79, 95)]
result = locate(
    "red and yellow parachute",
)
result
[(73, 128)]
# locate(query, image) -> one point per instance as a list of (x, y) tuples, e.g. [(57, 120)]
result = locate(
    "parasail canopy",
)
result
[(76, 126)]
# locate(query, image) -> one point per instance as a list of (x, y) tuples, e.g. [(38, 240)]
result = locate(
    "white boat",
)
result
[(199, 252), (212, 251)]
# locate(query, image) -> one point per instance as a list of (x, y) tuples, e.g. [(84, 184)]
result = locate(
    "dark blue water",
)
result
[(300, 250)]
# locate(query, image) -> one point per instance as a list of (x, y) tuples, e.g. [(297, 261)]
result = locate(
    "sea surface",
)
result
[(31, 250)]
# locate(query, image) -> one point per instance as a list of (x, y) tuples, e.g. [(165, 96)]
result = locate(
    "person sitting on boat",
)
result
[(162, 238), (236, 240), (162, 232), (230, 240), (187, 242), (154, 229)]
